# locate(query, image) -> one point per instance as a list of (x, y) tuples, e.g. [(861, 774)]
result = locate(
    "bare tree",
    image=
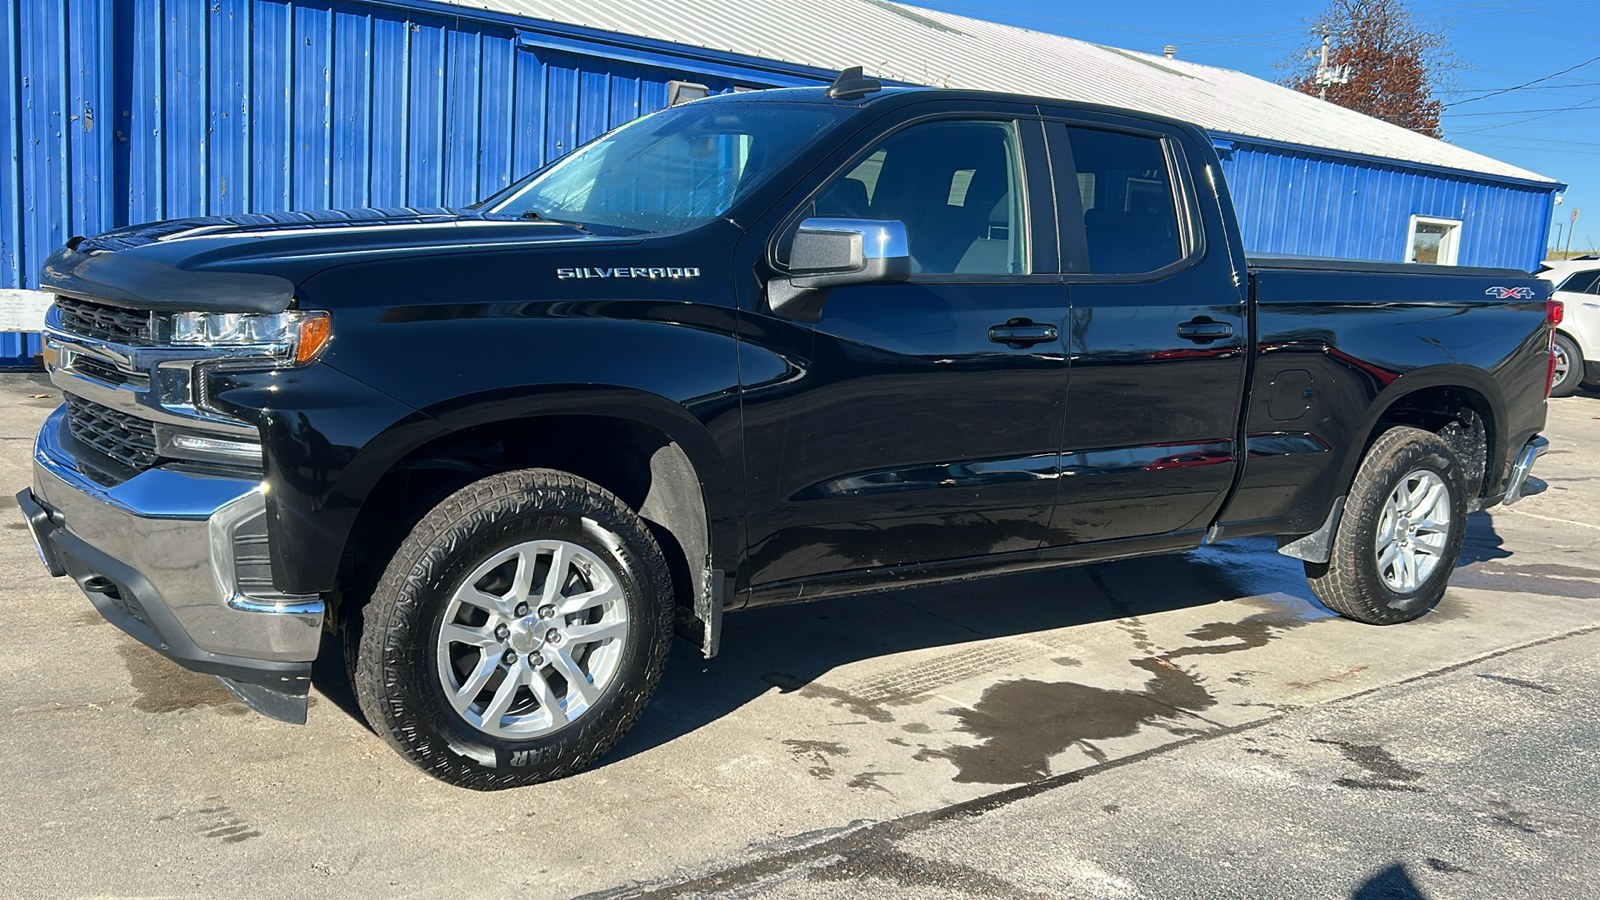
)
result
[(1373, 56)]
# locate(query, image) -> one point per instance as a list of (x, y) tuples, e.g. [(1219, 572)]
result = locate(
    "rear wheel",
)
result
[(1404, 520), (518, 632), (1569, 367)]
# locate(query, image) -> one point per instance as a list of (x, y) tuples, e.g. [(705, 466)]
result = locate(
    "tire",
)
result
[(1397, 480), (469, 674), (1569, 367)]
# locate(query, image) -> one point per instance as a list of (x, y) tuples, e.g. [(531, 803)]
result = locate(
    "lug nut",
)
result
[(535, 660), (510, 658), (552, 637), (502, 632), (522, 609), (546, 612)]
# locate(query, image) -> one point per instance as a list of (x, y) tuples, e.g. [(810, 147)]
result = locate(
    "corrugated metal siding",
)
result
[(1313, 205), (127, 111), (123, 111)]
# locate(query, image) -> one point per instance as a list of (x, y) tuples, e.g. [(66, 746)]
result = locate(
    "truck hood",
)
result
[(252, 263)]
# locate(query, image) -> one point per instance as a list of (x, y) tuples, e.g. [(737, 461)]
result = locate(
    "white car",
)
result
[(1577, 283)]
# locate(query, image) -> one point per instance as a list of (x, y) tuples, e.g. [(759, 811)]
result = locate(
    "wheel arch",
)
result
[(1431, 399), (648, 450)]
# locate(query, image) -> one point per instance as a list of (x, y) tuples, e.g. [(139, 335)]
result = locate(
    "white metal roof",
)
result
[(922, 46)]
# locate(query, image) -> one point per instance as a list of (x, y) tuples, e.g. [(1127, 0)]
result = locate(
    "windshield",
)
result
[(670, 170)]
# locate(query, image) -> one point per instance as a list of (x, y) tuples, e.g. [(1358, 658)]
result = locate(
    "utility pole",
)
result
[(1570, 231), (1327, 74)]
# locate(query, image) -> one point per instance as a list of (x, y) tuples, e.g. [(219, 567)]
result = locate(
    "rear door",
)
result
[(1156, 335), (919, 421)]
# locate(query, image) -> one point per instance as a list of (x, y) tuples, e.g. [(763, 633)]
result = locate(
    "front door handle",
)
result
[(1204, 330), (1020, 333)]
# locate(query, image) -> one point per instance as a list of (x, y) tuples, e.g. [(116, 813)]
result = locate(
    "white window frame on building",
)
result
[(1449, 241)]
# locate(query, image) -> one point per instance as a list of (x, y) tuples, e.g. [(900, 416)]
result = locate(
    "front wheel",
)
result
[(517, 633), (1404, 521)]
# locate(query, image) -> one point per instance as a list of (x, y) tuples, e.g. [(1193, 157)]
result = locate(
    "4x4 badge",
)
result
[(1513, 293)]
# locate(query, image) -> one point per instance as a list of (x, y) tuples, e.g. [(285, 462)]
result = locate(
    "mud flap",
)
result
[(1314, 547)]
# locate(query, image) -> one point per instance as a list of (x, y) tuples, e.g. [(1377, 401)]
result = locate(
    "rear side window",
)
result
[(1118, 208), (1581, 282)]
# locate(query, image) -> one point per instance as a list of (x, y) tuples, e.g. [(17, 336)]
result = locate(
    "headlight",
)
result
[(296, 336), (179, 444)]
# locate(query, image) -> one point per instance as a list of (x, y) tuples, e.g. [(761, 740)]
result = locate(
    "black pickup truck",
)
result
[(756, 348)]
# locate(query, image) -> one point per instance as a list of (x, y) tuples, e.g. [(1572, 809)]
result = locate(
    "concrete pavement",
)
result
[(963, 717)]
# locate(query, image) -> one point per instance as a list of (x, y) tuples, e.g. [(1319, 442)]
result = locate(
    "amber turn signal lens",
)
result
[(315, 329)]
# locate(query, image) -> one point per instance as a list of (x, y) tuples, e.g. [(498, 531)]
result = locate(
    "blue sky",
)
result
[(1552, 127)]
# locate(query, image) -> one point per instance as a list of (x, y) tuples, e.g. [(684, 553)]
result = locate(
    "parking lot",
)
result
[(1191, 725)]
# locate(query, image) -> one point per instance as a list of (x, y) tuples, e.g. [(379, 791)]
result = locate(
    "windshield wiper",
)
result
[(534, 215)]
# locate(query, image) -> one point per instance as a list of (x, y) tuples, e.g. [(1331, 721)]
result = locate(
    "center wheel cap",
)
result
[(526, 636)]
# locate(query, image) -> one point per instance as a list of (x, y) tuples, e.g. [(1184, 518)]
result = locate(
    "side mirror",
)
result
[(830, 253)]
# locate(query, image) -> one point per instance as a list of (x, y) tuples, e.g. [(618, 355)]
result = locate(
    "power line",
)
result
[(1528, 84), (1508, 112)]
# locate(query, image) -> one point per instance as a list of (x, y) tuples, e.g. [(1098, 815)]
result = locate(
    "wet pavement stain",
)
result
[(820, 754), (1249, 633), (1510, 817), (1444, 865), (885, 862), (219, 822), (165, 687), (789, 684), (1022, 724), (1532, 686), (1388, 774), (869, 781), (1334, 678)]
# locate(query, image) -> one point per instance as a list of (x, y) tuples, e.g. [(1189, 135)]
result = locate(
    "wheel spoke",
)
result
[(1429, 499), (1408, 570), (470, 688), (599, 631), (489, 603), (560, 562), (1386, 557), (505, 693), (521, 581), (577, 680), (547, 698), (577, 603), (463, 634)]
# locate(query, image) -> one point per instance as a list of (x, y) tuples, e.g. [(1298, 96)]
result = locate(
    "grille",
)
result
[(99, 369), (108, 323), (126, 439)]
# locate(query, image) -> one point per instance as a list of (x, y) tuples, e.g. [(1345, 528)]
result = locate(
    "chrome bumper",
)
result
[(1521, 484), (158, 555)]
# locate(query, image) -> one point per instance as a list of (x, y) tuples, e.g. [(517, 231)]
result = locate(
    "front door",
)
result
[(919, 421)]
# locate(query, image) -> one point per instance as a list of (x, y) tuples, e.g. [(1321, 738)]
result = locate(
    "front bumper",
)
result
[(164, 556)]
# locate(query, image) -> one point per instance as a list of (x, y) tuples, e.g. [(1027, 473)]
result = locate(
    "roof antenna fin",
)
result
[(852, 85)]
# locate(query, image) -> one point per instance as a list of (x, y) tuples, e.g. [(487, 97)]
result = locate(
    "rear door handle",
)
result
[(1019, 333), (1204, 330)]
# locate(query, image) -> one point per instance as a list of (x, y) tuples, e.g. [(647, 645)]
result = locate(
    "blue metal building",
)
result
[(126, 111)]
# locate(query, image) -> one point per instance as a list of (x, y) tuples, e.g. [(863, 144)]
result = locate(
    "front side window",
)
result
[(1126, 222), (955, 185), (671, 170)]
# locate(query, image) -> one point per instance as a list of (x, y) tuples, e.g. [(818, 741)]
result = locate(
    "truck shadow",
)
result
[(789, 648)]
